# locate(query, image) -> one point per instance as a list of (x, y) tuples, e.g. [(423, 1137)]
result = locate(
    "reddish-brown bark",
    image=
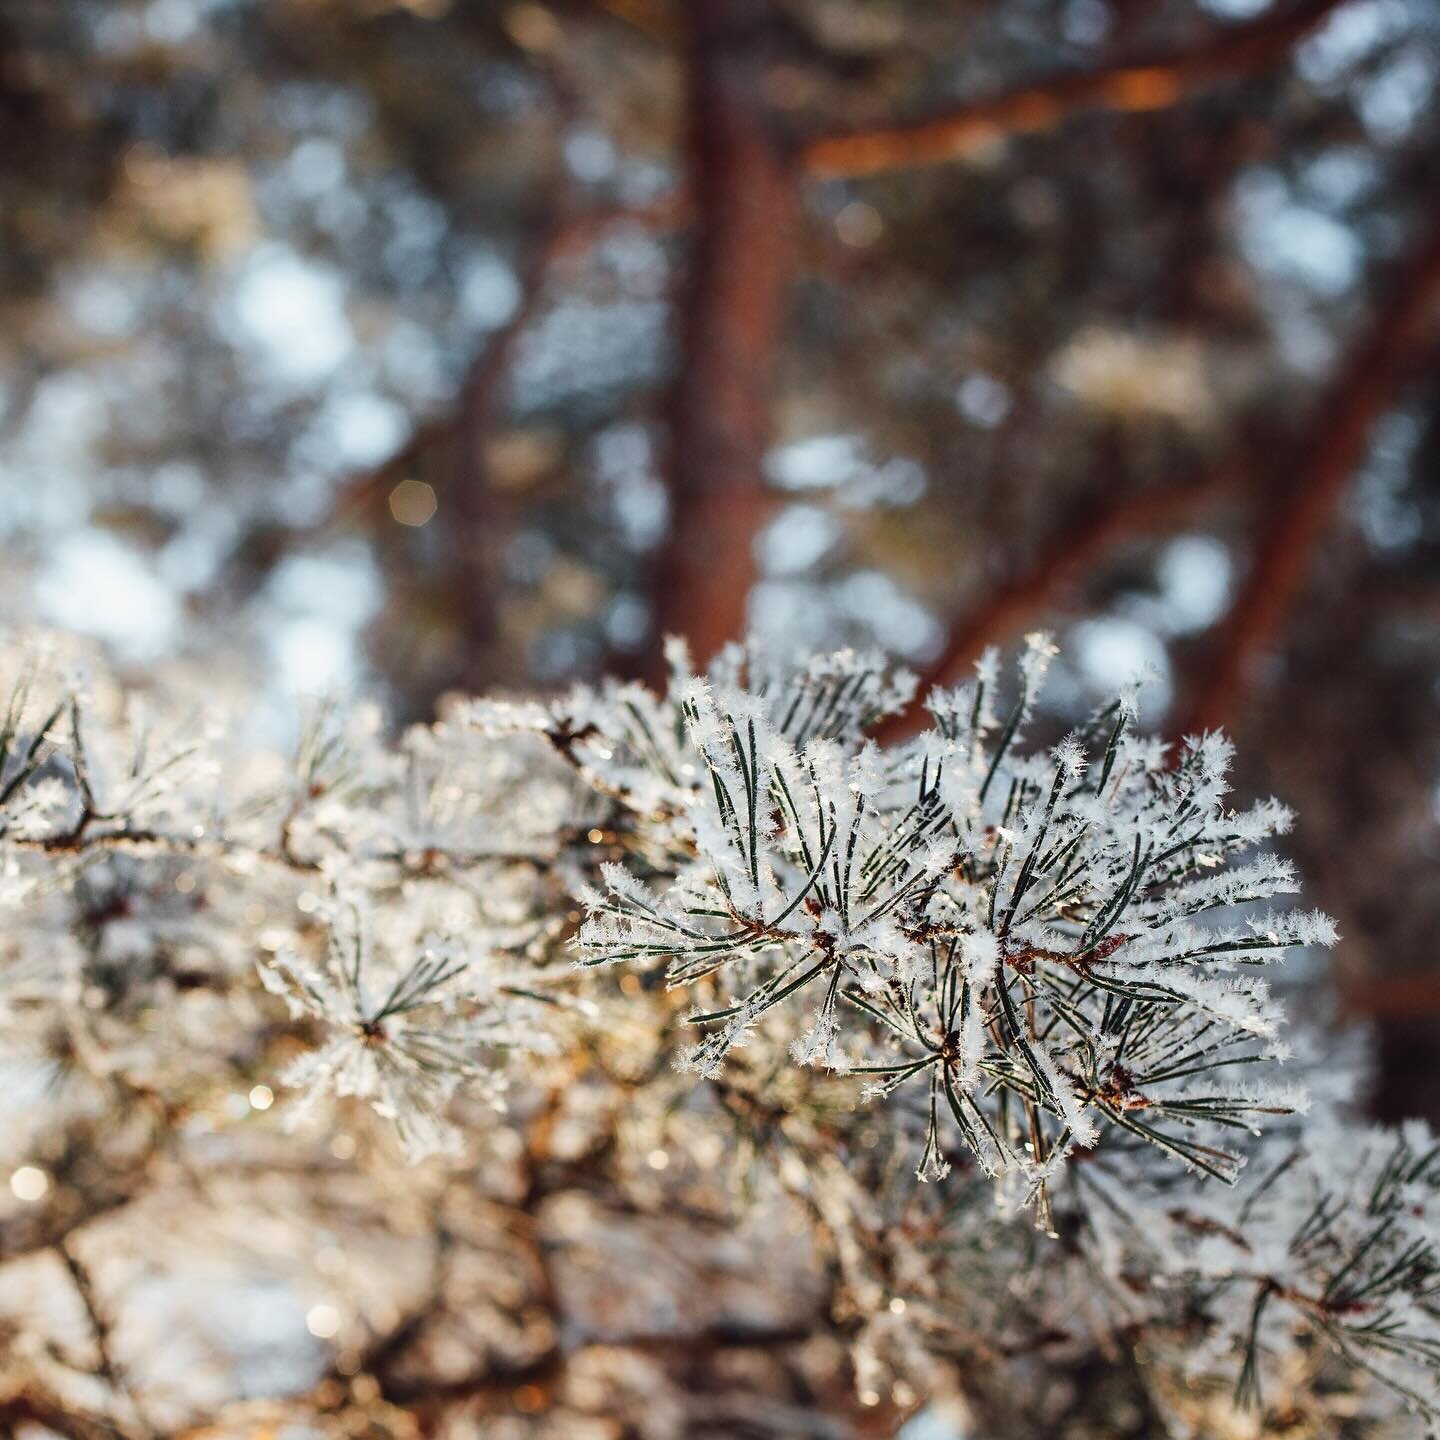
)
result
[(744, 197), (1151, 83)]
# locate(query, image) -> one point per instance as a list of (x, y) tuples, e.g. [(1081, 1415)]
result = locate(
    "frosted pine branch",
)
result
[(1026, 936), (1036, 977)]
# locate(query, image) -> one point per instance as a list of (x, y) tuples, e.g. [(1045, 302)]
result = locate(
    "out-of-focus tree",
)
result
[(443, 345)]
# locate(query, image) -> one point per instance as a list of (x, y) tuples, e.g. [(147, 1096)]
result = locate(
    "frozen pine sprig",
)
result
[(634, 745), (1338, 1237), (1053, 946), (1324, 1258), (403, 1029), (33, 712), (834, 696), (794, 884)]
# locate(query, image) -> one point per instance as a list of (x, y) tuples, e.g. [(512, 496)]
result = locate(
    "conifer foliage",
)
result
[(1006, 1011)]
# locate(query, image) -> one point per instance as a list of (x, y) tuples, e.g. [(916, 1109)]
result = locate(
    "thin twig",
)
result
[(111, 1372)]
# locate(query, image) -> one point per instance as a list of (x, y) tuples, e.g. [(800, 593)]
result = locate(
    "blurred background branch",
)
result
[(1150, 83), (1380, 363)]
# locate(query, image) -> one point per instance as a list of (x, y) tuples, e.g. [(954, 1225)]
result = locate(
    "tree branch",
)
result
[(744, 192), (110, 1372), (1410, 995), (47, 1415), (1363, 391), (1152, 83), (1004, 609)]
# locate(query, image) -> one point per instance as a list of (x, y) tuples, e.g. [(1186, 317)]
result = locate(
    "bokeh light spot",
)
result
[(412, 502)]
